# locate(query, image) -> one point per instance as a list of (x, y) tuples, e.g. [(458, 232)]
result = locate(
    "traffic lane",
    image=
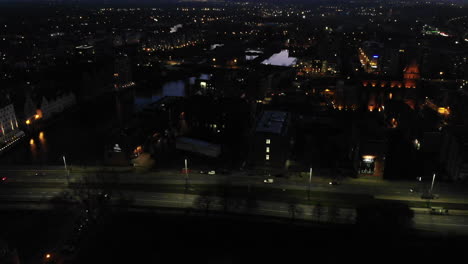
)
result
[(172, 177), (30, 194), (421, 220), (376, 190), (253, 184), (442, 223), (32, 173), (239, 175)]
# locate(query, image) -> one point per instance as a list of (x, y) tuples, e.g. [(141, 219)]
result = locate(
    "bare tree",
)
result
[(204, 201), (294, 209), (317, 211), (250, 203), (226, 200), (93, 192), (333, 214)]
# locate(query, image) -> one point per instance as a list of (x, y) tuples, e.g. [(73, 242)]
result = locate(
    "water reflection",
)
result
[(145, 97), (175, 88), (43, 142), (83, 135)]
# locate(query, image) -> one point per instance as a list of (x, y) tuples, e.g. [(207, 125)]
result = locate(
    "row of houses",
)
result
[(47, 108), (34, 111)]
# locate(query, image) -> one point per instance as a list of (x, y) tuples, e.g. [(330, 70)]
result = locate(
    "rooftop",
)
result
[(272, 122)]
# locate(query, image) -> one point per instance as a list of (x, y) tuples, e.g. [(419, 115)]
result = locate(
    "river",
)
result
[(83, 135)]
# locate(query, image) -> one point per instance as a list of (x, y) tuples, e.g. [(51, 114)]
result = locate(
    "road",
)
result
[(399, 190), (422, 219)]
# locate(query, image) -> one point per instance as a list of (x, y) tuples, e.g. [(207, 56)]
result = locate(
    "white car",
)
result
[(268, 180)]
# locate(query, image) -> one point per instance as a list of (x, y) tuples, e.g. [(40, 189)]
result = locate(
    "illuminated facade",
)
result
[(411, 75), (372, 158), (270, 148), (9, 130), (122, 74)]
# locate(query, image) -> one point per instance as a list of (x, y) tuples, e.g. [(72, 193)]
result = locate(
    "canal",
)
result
[(83, 134)]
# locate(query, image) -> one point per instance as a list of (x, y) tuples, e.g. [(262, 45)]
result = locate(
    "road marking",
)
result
[(419, 223), (165, 201), (276, 211)]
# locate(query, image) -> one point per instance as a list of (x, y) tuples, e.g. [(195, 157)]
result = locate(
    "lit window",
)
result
[(267, 157), (267, 149), (268, 141)]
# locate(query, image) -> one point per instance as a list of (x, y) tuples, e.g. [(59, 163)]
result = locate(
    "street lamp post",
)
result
[(186, 176), (432, 184), (310, 182), (66, 169)]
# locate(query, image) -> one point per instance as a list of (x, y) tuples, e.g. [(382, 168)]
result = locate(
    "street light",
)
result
[(186, 176), (68, 172), (432, 185), (310, 181)]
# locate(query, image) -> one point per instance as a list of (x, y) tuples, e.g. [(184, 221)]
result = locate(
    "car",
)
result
[(212, 172), (334, 183), (428, 196), (225, 172), (203, 172), (439, 211), (269, 180), (3, 179), (40, 173), (185, 171)]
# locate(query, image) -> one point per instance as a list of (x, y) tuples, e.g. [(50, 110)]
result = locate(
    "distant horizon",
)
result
[(133, 2)]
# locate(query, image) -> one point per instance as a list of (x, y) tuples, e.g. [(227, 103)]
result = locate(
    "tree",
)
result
[(93, 192), (251, 203), (293, 209), (226, 200), (333, 213), (317, 211), (204, 201)]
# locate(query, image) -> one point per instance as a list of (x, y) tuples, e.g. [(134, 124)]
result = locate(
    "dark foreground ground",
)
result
[(165, 237)]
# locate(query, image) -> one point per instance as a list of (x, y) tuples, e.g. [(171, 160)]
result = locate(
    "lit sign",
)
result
[(375, 56), (117, 148), (368, 158)]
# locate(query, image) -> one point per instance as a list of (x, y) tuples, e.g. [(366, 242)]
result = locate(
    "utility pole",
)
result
[(186, 176), (66, 169), (310, 182), (432, 185)]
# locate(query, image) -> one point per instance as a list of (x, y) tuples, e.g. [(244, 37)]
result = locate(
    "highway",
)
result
[(448, 193), (422, 220)]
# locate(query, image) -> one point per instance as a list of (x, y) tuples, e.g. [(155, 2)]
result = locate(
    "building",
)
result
[(372, 158), (10, 132), (122, 74), (271, 142), (454, 153), (50, 107), (369, 56)]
